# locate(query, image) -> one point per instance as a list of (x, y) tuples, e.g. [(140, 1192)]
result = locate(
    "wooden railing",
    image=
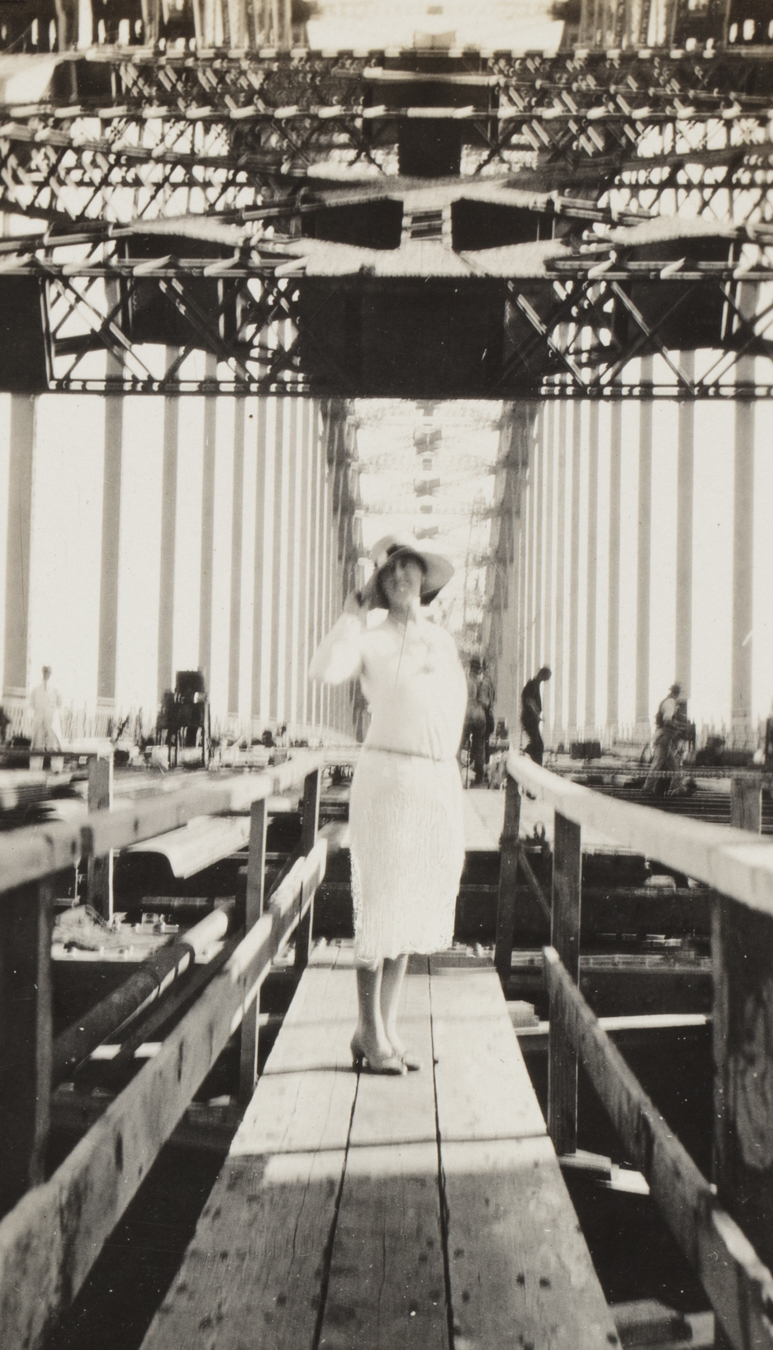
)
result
[(725, 1229), (55, 1228)]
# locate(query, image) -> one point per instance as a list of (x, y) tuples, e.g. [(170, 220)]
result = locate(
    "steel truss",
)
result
[(579, 331), (252, 142), (150, 136)]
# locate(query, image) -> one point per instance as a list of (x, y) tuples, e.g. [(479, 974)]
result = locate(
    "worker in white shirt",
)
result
[(45, 702)]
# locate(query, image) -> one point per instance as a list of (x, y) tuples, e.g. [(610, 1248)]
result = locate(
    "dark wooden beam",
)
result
[(508, 876), (99, 884), (26, 920), (565, 937), (256, 875), (309, 831)]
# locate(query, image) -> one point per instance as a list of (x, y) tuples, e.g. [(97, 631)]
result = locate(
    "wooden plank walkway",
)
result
[(374, 1213)]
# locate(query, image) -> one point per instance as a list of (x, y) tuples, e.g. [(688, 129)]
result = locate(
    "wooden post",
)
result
[(742, 949), (565, 937), (256, 880), (99, 871), (308, 840), (742, 952), (25, 1037), (746, 803), (508, 875)]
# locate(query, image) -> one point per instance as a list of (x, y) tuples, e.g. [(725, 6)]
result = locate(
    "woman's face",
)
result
[(401, 582)]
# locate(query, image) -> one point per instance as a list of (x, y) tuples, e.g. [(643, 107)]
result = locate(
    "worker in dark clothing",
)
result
[(768, 747), (487, 698), (531, 713), (474, 732), (671, 728)]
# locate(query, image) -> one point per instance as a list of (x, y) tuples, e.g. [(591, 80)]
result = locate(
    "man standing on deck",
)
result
[(45, 702), (531, 713), (670, 727)]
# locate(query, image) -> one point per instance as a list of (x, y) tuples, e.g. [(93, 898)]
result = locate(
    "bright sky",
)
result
[(497, 23)]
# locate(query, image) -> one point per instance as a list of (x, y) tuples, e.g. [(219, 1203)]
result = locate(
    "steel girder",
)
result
[(248, 139), (579, 331), (149, 136)]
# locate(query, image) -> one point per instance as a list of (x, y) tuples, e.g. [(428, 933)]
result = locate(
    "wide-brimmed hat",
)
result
[(437, 570)]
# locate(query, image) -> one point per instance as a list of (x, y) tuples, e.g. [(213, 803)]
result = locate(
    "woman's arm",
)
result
[(339, 655)]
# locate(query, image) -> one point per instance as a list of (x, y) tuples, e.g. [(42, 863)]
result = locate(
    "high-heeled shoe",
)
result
[(364, 1063), (412, 1062)]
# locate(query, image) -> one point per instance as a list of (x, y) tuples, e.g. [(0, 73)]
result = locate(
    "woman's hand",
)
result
[(353, 605)]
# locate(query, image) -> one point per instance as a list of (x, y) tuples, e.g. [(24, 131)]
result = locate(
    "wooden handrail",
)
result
[(50, 1240), (738, 1283), (34, 852), (734, 1265), (731, 861)]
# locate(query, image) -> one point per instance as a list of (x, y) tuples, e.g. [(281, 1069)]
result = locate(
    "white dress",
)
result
[(406, 831)]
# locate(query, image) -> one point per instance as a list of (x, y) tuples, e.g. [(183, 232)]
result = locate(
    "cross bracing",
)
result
[(226, 203), (574, 329), (231, 129)]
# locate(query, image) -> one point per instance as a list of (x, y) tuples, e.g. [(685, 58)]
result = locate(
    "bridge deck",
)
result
[(357, 1212)]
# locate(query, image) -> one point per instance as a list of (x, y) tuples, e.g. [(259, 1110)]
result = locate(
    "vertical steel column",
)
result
[(508, 642), (306, 550), (574, 573), (558, 674), (316, 560), (565, 937), (547, 641), (111, 544), (743, 557), (165, 678), (294, 538), (279, 569), (523, 591), (256, 874), (237, 534), (644, 557), (539, 507), (258, 655), (17, 572), (613, 593), (530, 496), (684, 531), (590, 608), (327, 599), (207, 524), (320, 697)]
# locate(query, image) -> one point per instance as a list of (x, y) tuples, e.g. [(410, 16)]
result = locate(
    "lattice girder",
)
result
[(580, 331), (258, 126)]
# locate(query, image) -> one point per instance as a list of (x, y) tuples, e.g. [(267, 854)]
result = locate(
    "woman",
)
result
[(405, 816)]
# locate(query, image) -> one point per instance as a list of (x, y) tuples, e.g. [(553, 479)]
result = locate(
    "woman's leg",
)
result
[(391, 985), (370, 1035)]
